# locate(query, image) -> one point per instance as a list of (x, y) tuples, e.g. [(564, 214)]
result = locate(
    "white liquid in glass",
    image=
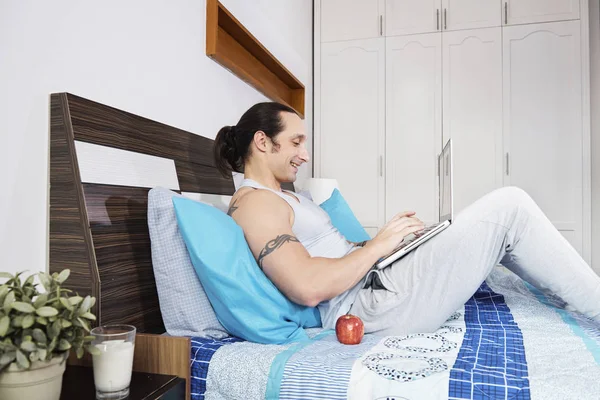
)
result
[(112, 367)]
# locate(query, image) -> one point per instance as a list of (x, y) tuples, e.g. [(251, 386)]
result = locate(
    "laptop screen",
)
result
[(445, 165)]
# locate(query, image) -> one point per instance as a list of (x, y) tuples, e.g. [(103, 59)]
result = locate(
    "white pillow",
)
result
[(185, 309)]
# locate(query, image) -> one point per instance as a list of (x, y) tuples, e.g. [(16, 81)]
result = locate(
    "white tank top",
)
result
[(313, 228)]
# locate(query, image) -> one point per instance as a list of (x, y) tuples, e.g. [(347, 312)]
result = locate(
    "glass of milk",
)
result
[(113, 364)]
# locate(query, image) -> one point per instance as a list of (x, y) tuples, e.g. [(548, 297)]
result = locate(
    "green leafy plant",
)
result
[(40, 326)]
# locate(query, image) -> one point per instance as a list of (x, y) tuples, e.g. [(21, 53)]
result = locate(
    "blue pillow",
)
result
[(343, 218), (245, 301)]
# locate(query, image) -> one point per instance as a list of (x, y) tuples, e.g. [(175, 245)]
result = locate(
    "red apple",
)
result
[(349, 329)]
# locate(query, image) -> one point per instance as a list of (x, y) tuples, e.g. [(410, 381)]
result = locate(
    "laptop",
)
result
[(446, 208)]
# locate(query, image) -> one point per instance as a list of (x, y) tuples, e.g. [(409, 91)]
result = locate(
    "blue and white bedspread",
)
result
[(508, 342)]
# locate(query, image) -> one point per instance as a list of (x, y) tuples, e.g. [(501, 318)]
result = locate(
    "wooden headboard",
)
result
[(99, 231)]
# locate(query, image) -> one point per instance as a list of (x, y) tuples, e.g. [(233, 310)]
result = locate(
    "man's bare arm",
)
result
[(266, 220)]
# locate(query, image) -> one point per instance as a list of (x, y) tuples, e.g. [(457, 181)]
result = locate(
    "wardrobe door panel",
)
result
[(413, 124), (352, 124)]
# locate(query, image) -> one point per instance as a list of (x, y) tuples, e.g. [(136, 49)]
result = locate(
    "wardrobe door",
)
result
[(352, 124), (472, 117), (403, 17), (543, 120), (515, 12), (469, 14), (413, 124), (350, 20)]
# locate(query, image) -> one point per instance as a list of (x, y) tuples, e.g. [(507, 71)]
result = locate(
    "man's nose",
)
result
[(304, 156)]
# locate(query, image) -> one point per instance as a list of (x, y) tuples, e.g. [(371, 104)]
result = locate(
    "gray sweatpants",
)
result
[(422, 289)]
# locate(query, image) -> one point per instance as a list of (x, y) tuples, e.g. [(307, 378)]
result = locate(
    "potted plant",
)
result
[(37, 332)]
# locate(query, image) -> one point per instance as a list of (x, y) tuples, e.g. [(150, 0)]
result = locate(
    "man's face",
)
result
[(288, 151)]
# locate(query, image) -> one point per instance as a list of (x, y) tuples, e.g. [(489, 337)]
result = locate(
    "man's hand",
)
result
[(394, 232)]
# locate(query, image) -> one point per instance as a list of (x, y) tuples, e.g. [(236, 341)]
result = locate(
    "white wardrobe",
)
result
[(507, 80)]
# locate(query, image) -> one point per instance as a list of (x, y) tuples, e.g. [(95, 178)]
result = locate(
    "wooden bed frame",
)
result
[(100, 231)]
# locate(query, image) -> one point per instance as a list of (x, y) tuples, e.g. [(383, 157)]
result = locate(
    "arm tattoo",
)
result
[(232, 208), (361, 244), (273, 245)]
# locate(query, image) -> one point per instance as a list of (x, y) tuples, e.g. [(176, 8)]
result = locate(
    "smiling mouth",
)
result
[(294, 165)]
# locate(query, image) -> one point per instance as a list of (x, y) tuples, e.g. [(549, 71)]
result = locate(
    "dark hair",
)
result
[(232, 144)]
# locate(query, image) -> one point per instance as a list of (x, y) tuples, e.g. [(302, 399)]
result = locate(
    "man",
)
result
[(314, 265)]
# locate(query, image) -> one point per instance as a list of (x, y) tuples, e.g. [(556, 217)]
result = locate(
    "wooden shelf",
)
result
[(230, 44)]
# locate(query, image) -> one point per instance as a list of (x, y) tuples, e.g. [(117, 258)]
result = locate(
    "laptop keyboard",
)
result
[(411, 239)]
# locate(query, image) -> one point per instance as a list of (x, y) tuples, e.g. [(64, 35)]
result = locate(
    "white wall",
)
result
[(595, 133), (143, 56)]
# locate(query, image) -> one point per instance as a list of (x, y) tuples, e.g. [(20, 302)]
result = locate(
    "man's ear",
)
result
[(261, 141)]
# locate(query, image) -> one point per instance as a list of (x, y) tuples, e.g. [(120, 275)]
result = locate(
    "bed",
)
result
[(509, 341)]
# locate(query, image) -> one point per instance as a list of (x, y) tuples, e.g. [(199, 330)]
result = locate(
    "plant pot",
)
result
[(42, 381)]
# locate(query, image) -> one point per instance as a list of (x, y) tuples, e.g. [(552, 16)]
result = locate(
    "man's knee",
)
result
[(510, 197), (515, 193)]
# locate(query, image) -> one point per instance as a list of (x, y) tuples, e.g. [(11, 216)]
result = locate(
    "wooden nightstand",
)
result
[(78, 384)]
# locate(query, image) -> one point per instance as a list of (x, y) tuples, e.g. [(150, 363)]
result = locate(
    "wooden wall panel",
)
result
[(69, 239), (199, 178), (119, 227), (108, 126)]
